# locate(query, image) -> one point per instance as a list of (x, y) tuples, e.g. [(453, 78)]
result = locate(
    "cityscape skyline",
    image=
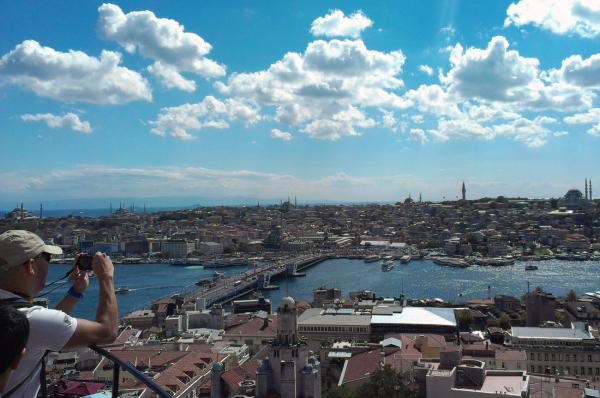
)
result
[(337, 102)]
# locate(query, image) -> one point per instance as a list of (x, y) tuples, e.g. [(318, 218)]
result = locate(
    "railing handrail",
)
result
[(128, 366)]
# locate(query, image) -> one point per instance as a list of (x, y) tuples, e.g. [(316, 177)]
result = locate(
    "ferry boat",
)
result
[(450, 262), (219, 262), (387, 266), (372, 259), (405, 259), (531, 268), (495, 262)]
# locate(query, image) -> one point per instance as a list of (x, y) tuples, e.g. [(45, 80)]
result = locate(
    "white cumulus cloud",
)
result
[(428, 70), (581, 17), (180, 121), (68, 120), (337, 24), (72, 75), (582, 72), (281, 135), (326, 91), (418, 135), (163, 40), (592, 116), (494, 73)]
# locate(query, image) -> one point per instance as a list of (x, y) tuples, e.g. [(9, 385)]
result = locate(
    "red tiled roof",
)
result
[(235, 376), (362, 365), (254, 327)]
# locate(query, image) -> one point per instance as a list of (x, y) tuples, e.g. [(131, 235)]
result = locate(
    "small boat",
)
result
[(372, 259), (387, 266), (121, 290), (405, 259), (531, 268)]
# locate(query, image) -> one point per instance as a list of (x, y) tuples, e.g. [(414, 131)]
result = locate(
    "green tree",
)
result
[(386, 383), (571, 296), (504, 321), (339, 392), (465, 318)]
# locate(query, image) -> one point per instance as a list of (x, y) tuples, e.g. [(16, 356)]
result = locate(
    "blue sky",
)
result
[(345, 101)]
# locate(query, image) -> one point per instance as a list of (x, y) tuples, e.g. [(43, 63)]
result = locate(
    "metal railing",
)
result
[(129, 367)]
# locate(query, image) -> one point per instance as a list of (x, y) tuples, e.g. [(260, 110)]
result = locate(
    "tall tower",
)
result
[(586, 190), (464, 192), (590, 187)]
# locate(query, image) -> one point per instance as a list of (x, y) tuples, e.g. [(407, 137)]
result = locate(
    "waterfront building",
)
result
[(322, 295), (289, 368), (558, 351), (176, 248), (209, 248)]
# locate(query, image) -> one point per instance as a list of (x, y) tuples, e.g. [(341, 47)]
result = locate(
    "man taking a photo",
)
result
[(24, 259)]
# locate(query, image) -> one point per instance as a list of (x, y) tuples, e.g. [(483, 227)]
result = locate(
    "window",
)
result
[(582, 371), (539, 356), (567, 357), (553, 357), (532, 368), (540, 369), (545, 356), (532, 356), (589, 358), (597, 371)]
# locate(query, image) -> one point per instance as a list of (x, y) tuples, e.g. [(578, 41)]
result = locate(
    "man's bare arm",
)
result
[(104, 329)]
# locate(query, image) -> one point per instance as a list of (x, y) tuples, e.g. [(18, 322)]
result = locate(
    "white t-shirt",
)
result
[(48, 330)]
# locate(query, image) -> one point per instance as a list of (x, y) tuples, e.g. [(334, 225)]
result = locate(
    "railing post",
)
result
[(115, 385)]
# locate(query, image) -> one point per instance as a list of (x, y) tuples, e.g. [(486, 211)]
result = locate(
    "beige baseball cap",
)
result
[(18, 246)]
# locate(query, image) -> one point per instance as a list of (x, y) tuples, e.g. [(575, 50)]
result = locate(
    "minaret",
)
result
[(420, 199), (590, 188), (41, 210), (586, 190), (464, 192)]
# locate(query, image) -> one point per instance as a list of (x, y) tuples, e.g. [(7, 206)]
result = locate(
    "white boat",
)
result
[(405, 259), (372, 259), (121, 290), (387, 266)]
